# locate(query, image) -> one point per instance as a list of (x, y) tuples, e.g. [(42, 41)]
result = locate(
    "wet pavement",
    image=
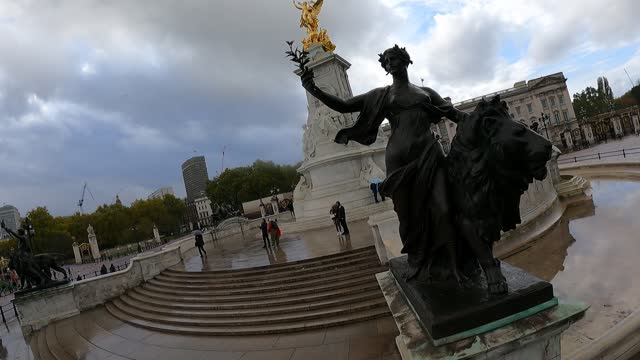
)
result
[(591, 255), (96, 334), (241, 252)]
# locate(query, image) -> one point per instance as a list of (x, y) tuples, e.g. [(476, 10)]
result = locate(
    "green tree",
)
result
[(242, 184), (590, 102), (51, 235), (176, 209)]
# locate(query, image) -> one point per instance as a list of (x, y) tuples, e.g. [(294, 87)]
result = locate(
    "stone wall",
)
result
[(39, 308)]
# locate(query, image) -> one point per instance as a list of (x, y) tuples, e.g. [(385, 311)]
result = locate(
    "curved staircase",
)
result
[(307, 294)]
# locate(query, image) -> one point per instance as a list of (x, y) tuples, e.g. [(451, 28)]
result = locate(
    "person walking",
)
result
[(343, 218), (264, 227), (334, 217), (274, 231), (290, 208), (197, 234), (374, 190)]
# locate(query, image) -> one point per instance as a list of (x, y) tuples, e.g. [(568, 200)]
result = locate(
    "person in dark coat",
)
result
[(197, 235), (334, 217), (265, 233), (290, 208), (103, 270), (374, 190), (342, 217), (112, 268)]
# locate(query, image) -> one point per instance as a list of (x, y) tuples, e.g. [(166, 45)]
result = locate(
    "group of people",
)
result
[(271, 233), (339, 218)]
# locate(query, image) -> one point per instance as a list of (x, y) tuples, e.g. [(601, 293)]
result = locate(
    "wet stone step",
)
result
[(212, 278), (244, 321), (209, 311), (279, 291), (334, 273), (243, 301), (270, 269), (250, 330)]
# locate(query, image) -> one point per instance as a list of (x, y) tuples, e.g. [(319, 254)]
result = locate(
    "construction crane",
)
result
[(81, 201)]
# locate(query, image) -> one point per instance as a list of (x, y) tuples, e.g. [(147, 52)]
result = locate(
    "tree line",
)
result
[(597, 100), (114, 225), (252, 182)]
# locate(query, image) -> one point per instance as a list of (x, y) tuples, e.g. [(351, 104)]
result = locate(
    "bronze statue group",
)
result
[(451, 208), (33, 270)]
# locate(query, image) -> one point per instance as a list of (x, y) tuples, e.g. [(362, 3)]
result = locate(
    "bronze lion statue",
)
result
[(492, 161)]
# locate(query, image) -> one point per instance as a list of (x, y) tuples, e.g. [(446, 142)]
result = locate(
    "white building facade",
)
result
[(203, 208), (544, 101)]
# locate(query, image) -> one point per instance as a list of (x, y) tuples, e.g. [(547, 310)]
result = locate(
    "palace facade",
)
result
[(544, 104)]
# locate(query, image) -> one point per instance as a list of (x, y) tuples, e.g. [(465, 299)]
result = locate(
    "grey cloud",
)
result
[(166, 78)]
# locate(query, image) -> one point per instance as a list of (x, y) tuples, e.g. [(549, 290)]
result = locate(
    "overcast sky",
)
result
[(120, 93)]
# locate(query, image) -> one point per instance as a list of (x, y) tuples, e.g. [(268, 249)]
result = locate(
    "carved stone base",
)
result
[(445, 310), (50, 285), (532, 337)]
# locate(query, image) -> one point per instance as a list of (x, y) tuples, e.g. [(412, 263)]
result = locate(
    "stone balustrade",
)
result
[(39, 308)]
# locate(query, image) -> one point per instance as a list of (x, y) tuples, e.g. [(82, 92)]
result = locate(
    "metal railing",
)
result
[(624, 153), (8, 312), (95, 273)]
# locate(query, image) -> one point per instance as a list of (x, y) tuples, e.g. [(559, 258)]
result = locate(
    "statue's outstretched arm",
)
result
[(349, 105), (452, 113)]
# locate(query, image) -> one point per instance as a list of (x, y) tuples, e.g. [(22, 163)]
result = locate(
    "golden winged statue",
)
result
[(309, 20)]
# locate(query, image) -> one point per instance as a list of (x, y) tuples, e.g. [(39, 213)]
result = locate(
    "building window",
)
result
[(565, 115), (552, 101), (518, 110), (556, 115), (544, 103), (560, 99), (529, 108)]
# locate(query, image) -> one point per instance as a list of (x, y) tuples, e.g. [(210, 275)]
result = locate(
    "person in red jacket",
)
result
[(274, 231)]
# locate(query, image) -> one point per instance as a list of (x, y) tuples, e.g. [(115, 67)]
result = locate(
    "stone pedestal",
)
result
[(617, 127), (386, 236), (334, 172), (588, 134), (568, 139), (263, 210), (156, 234), (636, 123), (76, 253), (275, 206), (531, 337), (95, 250)]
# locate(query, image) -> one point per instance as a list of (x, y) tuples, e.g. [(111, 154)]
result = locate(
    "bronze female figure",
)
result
[(416, 172)]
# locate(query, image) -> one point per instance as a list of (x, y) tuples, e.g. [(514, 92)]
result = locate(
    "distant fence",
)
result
[(624, 153), (95, 273)]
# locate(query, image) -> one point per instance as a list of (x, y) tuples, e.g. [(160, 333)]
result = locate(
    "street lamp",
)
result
[(544, 119)]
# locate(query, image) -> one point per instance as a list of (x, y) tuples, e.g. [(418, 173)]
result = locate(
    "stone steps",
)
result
[(308, 294), (240, 302), (322, 278), (273, 277), (222, 311), (250, 330), (233, 275)]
